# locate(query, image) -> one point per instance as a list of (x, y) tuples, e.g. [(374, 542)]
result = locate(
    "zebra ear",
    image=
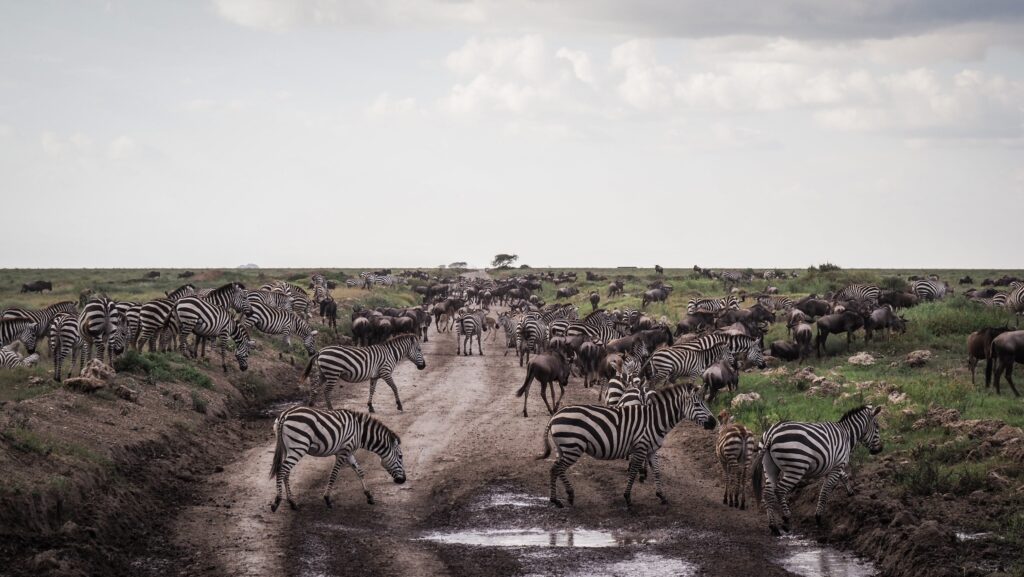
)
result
[(877, 410)]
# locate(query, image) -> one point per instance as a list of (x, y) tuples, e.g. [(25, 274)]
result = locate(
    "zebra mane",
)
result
[(371, 425), (227, 288), (400, 337), (852, 413), (61, 304), (594, 314)]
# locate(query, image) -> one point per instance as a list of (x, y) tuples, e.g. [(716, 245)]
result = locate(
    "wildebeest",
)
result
[(153, 274), (979, 345), (615, 288), (814, 307), (695, 322), (186, 274), (844, 322), (898, 299), (595, 298), (37, 287), (719, 376), (566, 292), (655, 295), (802, 335), (658, 269), (1007, 348), (547, 368), (785, 350), (884, 318), (750, 317), (966, 280)]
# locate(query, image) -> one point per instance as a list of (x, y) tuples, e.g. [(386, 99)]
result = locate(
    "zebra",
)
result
[(609, 433), (929, 290), (508, 324), (859, 292), (206, 319), (275, 298), (776, 302), (371, 280), (229, 296), (98, 324), (734, 448), (671, 363), (1015, 300), (466, 327), (790, 452), (531, 336), (10, 359), (358, 364), (997, 300), (65, 340), (353, 283), (304, 431), (731, 277), (185, 290), (620, 395), (42, 317), (277, 321), (699, 305), (19, 330)]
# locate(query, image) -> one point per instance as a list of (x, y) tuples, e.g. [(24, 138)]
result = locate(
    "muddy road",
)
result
[(476, 499)]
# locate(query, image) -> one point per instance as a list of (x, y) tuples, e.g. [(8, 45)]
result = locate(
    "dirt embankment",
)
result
[(90, 479)]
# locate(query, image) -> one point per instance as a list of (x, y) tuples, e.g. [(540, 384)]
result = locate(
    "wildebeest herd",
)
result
[(644, 370)]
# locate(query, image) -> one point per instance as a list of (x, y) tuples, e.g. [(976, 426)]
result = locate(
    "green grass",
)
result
[(162, 367), (14, 385)]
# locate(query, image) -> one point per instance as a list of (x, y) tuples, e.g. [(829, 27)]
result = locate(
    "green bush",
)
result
[(162, 367), (199, 404)]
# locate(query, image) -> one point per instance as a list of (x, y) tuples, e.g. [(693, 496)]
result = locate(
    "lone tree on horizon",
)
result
[(504, 260)]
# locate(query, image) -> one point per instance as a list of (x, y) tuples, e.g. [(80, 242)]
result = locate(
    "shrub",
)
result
[(199, 404)]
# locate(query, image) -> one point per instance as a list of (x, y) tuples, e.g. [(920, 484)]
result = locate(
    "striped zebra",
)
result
[(206, 319), (508, 324), (277, 321), (467, 326), (776, 302), (98, 324), (302, 431), (997, 300), (678, 361), (791, 452), (1015, 300), (185, 290), (42, 317), (715, 306), (353, 283), (608, 433), (732, 277), (358, 364), (859, 292), (65, 341), (11, 360), (929, 290), (620, 395), (743, 346), (371, 280), (275, 298), (531, 336), (735, 450)]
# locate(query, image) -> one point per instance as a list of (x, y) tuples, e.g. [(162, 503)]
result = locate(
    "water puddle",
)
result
[(640, 565), (511, 499), (534, 537), (811, 560), (961, 536)]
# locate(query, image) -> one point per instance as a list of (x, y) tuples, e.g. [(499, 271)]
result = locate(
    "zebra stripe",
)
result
[(206, 319), (776, 302), (11, 359), (929, 290), (531, 336), (671, 363), (42, 317), (98, 323), (608, 433), (277, 321), (735, 450), (304, 431), (65, 340), (358, 364), (859, 292), (791, 452), (1015, 300), (696, 305), (466, 327)]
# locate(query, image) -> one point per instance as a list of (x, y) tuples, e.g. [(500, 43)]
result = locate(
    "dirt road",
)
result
[(472, 477)]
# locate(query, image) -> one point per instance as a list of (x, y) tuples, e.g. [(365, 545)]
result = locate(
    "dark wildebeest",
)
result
[(796, 316), (186, 274), (658, 269), (548, 368), (694, 323), (844, 322), (595, 298), (884, 318), (153, 274), (786, 350), (362, 331), (329, 311), (615, 288), (719, 376), (979, 346), (590, 357), (1006, 349), (750, 317), (966, 280), (566, 292), (37, 287), (898, 299), (814, 307), (654, 295)]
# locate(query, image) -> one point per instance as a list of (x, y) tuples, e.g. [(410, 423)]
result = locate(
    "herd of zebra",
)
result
[(634, 359)]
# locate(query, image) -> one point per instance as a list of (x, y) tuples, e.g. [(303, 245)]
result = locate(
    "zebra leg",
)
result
[(655, 464), (727, 472), (458, 346), (223, 342), (284, 481), (359, 473), (373, 387), (769, 496), (480, 347), (834, 477), (558, 470), (741, 480), (636, 462), (334, 477), (394, 388)]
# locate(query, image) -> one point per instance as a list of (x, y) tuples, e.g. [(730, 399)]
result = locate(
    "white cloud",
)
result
[(386, 105), (121, 148), (580, 64), (55, 145)]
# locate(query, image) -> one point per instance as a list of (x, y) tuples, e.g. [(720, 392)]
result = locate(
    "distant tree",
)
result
[(524, 266), (442, 266), (828, 267), (504, 260), (457, 264)]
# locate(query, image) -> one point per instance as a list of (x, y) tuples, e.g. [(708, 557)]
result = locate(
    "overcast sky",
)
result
[(305, 133)]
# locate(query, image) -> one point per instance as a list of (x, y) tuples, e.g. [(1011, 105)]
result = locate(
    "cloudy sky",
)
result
[(307, 133)]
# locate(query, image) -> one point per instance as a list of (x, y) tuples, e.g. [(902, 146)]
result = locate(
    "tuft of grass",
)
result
[(199, 404), (27, 441), (162, 367)]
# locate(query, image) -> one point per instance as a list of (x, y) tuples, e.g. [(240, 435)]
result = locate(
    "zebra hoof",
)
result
[(775, 530), (399, 406), (327, 500), (664, 501), (629, 500), (370, 408), (274, 505), (817, 520), (785, 524), (557, 503), (369, 498), (293, 505)]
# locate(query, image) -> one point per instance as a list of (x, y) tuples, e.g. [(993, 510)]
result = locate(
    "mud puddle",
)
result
[(641, 564), (811, 560), (534, 537)]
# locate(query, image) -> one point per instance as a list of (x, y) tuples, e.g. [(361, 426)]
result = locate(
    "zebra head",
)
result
[(415, 354), (383, 441), (28, 337), (755, 356), (240, 299), (867, 417), (243, 345), (698, 412)]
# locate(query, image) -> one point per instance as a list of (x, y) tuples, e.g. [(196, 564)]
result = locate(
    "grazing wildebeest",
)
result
[(966, 280), (186, 274), (979, 346), (752, 316), (813, 307), (153, 274), (655, 295), (547, 368), (37, 287), (844, 322), (719, 376), (566, 292), (898, 299), (615, 288), (1007, 348), (884, 318), (658, 269), (595, 298), (694, 323), (802, 335)]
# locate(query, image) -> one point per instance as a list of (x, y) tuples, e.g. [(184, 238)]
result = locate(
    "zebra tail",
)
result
[(547, 443), (757, 477), (309, 367), (278, 449), (526, 384)]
